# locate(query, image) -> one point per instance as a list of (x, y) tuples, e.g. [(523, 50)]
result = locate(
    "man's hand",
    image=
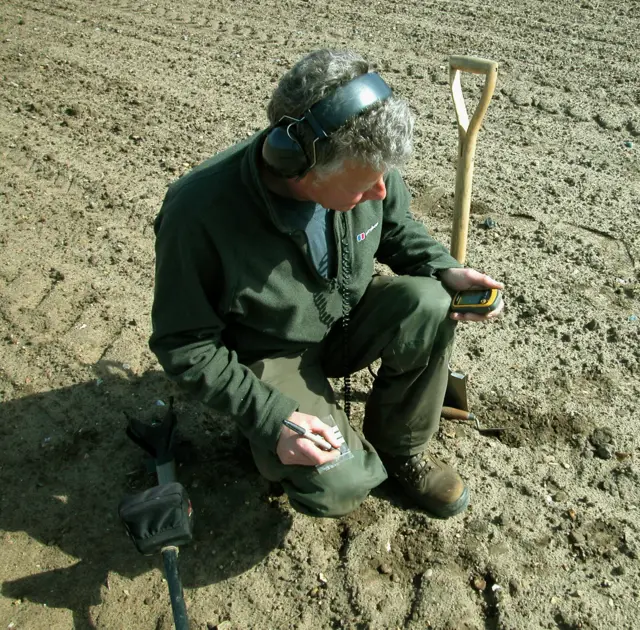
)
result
[(462, 279), (296, 449)]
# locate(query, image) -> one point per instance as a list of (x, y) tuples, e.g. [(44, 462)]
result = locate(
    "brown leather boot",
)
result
[(433, 485)]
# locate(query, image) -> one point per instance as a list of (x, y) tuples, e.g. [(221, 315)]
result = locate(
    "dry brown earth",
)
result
[(103, 104)]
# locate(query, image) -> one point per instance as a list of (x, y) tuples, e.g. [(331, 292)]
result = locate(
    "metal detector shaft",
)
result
[(166, 474), (178, 606), (158, 441)]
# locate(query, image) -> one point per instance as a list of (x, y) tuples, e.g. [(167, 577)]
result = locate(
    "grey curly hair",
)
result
[(380, 138)]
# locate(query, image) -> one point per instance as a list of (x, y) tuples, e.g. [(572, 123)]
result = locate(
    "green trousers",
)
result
[(404, 322)]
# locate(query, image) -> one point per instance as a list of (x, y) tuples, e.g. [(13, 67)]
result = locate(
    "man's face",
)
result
[(343, 190)]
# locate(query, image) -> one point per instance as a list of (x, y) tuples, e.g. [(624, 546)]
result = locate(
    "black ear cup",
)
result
[(283, 153)]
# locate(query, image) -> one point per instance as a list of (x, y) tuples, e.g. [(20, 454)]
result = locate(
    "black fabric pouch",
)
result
[(158, 517)]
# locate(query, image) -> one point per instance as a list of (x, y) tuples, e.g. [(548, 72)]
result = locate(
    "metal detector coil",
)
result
[(159, 517)]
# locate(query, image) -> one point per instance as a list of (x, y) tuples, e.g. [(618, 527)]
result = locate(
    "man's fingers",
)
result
[(483, 281), (320, 428), (498, 310), (490, 282), (469, 317), (326, 456), (474, 317), (295, 449), (314, 454)]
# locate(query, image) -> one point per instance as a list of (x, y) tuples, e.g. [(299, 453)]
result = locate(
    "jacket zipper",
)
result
[(345, 250)]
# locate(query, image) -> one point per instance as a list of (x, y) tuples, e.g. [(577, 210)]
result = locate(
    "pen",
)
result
[(316, 439)]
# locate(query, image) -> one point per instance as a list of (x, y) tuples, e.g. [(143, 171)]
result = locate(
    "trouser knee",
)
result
[(423, 307), (423, 299), (326, 504), (337, 491)]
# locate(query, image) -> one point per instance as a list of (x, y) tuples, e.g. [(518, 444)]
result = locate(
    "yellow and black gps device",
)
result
[(481, 301)]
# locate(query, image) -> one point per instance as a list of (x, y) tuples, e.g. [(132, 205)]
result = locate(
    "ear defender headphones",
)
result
[(282, 149)]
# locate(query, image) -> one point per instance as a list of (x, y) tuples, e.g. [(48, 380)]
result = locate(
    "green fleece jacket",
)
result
[(234, 285)]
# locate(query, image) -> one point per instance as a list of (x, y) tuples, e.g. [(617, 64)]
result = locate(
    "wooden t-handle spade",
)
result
[(467, 136)]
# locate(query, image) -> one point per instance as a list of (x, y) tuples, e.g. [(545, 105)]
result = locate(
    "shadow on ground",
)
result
[(67, 463)]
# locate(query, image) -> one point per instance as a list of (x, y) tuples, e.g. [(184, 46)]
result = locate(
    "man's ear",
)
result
[(308, 180)]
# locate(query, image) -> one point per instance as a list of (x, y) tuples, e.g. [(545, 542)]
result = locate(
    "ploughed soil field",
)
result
[(102, 104)]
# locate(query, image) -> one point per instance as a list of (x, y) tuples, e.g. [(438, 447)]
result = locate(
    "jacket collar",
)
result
[(250, 175)]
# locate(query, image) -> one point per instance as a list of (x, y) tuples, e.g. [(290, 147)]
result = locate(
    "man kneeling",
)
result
[(265, 287)]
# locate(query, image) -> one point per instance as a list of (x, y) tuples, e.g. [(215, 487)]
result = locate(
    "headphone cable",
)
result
[(344, 291)]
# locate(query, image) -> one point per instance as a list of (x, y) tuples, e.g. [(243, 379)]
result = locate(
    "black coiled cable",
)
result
[(344, 291)]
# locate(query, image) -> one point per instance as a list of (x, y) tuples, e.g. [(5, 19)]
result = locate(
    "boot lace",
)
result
[(414, 468)]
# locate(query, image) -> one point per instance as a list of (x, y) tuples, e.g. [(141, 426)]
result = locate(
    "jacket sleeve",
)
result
[(187, 330), (405, 244)]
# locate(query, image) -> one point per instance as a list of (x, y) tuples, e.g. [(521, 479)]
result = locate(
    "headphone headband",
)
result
[(347, 102)]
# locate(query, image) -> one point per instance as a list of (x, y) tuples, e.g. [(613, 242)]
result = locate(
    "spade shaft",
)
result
[(467, 136)]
